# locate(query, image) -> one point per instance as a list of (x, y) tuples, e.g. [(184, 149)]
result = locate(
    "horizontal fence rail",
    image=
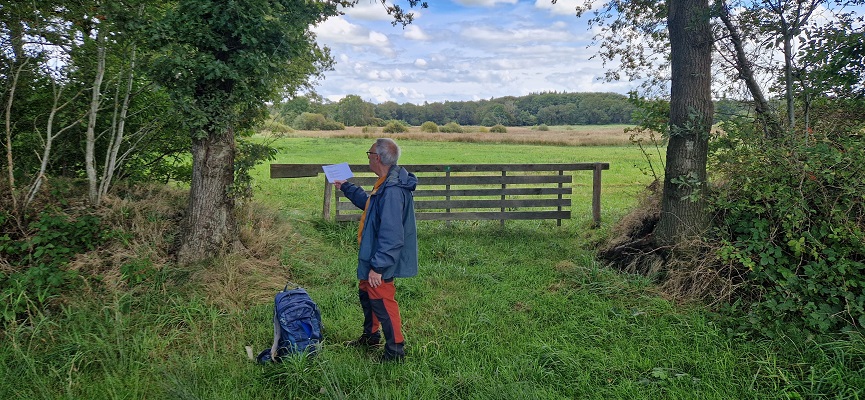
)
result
[(469, 191)]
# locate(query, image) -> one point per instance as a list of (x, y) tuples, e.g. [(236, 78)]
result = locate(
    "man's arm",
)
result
[(354, 193)]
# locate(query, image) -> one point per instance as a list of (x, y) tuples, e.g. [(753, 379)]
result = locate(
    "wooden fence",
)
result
[(470, 191)]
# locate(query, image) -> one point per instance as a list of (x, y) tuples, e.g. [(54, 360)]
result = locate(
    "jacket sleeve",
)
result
[(355, 194), (391, 231)]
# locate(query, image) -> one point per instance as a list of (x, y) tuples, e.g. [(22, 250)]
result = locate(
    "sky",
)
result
[(460, 50)]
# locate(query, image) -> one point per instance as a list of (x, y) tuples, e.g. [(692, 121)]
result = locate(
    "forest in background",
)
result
[(548, 108)]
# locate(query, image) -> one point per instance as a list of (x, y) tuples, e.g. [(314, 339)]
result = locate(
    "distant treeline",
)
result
[(533, 109), (530, 110)]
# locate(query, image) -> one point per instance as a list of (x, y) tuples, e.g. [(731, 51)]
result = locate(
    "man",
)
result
[(387, 235)]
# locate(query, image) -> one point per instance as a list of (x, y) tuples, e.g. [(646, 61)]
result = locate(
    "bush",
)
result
[(38, 258), (276, 127), (394, 126), (429, 126), (316, 122), (369, 129), (498, 128), (795, 226), (543, 127), (452, 127)]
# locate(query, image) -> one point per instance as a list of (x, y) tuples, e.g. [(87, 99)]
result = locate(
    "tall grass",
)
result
[(520, 312)]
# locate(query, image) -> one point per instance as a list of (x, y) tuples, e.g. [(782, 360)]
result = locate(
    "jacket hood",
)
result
[(399, 176)]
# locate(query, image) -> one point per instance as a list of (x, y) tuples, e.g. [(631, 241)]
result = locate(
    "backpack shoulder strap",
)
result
[(277, 333)]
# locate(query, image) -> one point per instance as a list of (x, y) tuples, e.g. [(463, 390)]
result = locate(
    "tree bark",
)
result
[(210, 228), (117, 137), (683, 213), (95, 100), (772, 127)]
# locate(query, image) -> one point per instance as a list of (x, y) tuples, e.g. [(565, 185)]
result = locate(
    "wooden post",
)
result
[(596, 195), (448, 193), (328, 194), (559, 221), (504, 185)]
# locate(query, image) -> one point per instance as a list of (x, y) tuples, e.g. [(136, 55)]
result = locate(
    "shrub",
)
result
[(316, 122), (543, 127), (429, 126), (498, 128), (394, 126), (369, 129), (38, 259), (276, 127), (451, 127), (796, 227)]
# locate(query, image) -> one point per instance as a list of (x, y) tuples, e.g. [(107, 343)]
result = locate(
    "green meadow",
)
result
[(523, 311)]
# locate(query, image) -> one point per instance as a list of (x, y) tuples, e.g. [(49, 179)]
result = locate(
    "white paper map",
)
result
[(337, 172)]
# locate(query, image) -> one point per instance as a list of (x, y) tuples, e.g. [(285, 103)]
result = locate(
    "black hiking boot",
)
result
[(366, 340), (387, 357)]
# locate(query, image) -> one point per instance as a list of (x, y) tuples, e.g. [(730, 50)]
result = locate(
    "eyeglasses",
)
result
[(370, 153)]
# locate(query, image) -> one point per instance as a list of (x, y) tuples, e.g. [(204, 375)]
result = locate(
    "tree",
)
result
[(353, 111), (683, 205), (637, 33), (221, 62)]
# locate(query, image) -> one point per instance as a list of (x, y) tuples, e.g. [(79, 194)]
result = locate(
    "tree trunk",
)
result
[(95, 100), (772, 127), (683, 213), (210, 228), (788, 78), (118, 131), (10, 164)]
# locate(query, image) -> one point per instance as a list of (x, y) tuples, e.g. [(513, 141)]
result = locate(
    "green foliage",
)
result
[(38, 258), (369, 129), (498, 129), (451, 127), (137, 271), (353, 111), (543, 127), (248, 156), (222, 61), (395, 126), (429, 126), (792, 216), (529, 110), (316, 122)]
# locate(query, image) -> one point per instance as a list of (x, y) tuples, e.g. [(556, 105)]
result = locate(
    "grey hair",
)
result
[(388, 151)]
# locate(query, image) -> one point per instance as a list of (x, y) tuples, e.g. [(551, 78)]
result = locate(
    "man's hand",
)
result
[(338, 183), (374, 279)]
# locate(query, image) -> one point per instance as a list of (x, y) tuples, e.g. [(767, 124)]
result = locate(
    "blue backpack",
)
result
[(296, 326)]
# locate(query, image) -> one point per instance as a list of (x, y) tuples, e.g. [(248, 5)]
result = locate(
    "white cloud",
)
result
[(373, 10), (414, 32), (367, 10), (339, 31), (510, 36), (564, 7), (420, 63)]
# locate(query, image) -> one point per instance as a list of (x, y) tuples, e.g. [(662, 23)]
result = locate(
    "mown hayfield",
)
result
[(562, 135), (520, 312)]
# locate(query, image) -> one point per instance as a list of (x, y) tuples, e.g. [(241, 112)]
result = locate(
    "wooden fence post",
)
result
[(328, 194), (596, 195)]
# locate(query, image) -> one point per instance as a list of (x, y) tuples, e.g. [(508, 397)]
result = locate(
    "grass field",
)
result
[(520, 312), (559, 135)]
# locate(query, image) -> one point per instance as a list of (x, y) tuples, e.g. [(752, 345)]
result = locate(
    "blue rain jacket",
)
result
[(388, 244)]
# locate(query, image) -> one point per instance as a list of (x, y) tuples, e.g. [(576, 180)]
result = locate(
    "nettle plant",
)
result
[(791, 217)]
